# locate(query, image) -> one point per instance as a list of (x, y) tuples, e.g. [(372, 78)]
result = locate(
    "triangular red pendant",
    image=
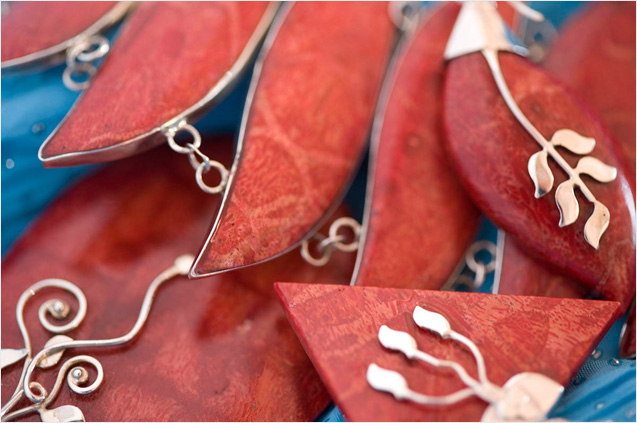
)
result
[(515, 334)]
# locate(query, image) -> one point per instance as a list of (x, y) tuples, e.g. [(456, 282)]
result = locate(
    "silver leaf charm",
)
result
[(596, 169), (573, 142), (53, 359), (435, 322), (397, 341), (540, 173), (596, 224), (65, 413), (10, 356), (567, 203), (387, 381)]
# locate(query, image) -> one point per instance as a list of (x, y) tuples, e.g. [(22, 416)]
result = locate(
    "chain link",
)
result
[(479, 268), (335, 241), (80, 62), (198, 160)]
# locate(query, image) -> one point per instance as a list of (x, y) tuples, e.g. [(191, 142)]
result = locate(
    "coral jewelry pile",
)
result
[(462, 123)]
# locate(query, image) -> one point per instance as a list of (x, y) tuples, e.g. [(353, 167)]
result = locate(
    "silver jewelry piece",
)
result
[(81, 59), (479, 28), (195, 154), (76, 375), (335, 241), (524, 397)]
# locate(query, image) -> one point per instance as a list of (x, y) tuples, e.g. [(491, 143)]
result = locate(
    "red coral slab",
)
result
[(338, 327), (215, 349), (417, 200), (32, 26), (595, 55), (168, 57), (491, 150), (521, 274), (306, 130)]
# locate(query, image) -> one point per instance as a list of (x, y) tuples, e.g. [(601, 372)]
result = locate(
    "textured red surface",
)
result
[(514, 333), (627, 345), (308, 126), (595, 55), (29, 27), (491, 150), (212, 349), (525, 275), (417, 201), (168, 56)]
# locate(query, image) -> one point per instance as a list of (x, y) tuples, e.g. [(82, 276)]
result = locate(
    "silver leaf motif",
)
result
[(53, 359), (567, 203), (397, 341), (387, 381), (65, 413), (596, 224), (540, 173), (10, 356), (573, 142), (596, 169), (435, 322)]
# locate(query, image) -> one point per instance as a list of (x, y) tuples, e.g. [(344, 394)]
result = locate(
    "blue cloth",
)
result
[(33, 104)]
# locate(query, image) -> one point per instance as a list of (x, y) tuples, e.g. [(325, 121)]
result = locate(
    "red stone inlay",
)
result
[(212, 349), (309, 122), (167, 58), (421, 220), (595, 55), (491, 150), (32, 26), (338, 327)]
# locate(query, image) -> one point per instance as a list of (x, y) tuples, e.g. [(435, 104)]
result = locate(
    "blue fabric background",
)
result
[(33, 104)]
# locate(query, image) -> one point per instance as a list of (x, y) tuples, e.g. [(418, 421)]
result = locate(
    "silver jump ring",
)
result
[(172, 132), (474, 249), (307, 256), (78, 68), (204, 167), (88, 50), (337, 240)]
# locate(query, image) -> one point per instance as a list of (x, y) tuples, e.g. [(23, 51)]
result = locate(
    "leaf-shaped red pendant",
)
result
[(514, 333), (491, 151), (304, 131), (416, 200), (39, 30), (595, 55), (214, 349), (172, 60)]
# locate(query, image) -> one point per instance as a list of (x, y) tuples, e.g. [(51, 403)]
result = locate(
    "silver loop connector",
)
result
[(80, 62), (335, 241), (201, 163)]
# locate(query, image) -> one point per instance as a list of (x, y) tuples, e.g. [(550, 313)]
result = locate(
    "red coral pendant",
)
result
[(304, 132), (514, 333), (171, 61), (416, 200)]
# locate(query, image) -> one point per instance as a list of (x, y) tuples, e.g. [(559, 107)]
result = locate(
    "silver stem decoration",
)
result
[(480, 28), (50, 355), (524, 397)]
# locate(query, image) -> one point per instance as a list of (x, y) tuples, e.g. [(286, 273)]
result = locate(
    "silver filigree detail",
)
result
[(479, 28), (524, 397), (73, 369)]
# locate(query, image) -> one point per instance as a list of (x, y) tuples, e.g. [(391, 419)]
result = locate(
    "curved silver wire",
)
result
[(76, 377)]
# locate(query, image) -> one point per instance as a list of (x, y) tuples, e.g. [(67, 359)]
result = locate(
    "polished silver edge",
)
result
[(271, 38), (110, 18), (402, 46), (499, 258), (153, 137)]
